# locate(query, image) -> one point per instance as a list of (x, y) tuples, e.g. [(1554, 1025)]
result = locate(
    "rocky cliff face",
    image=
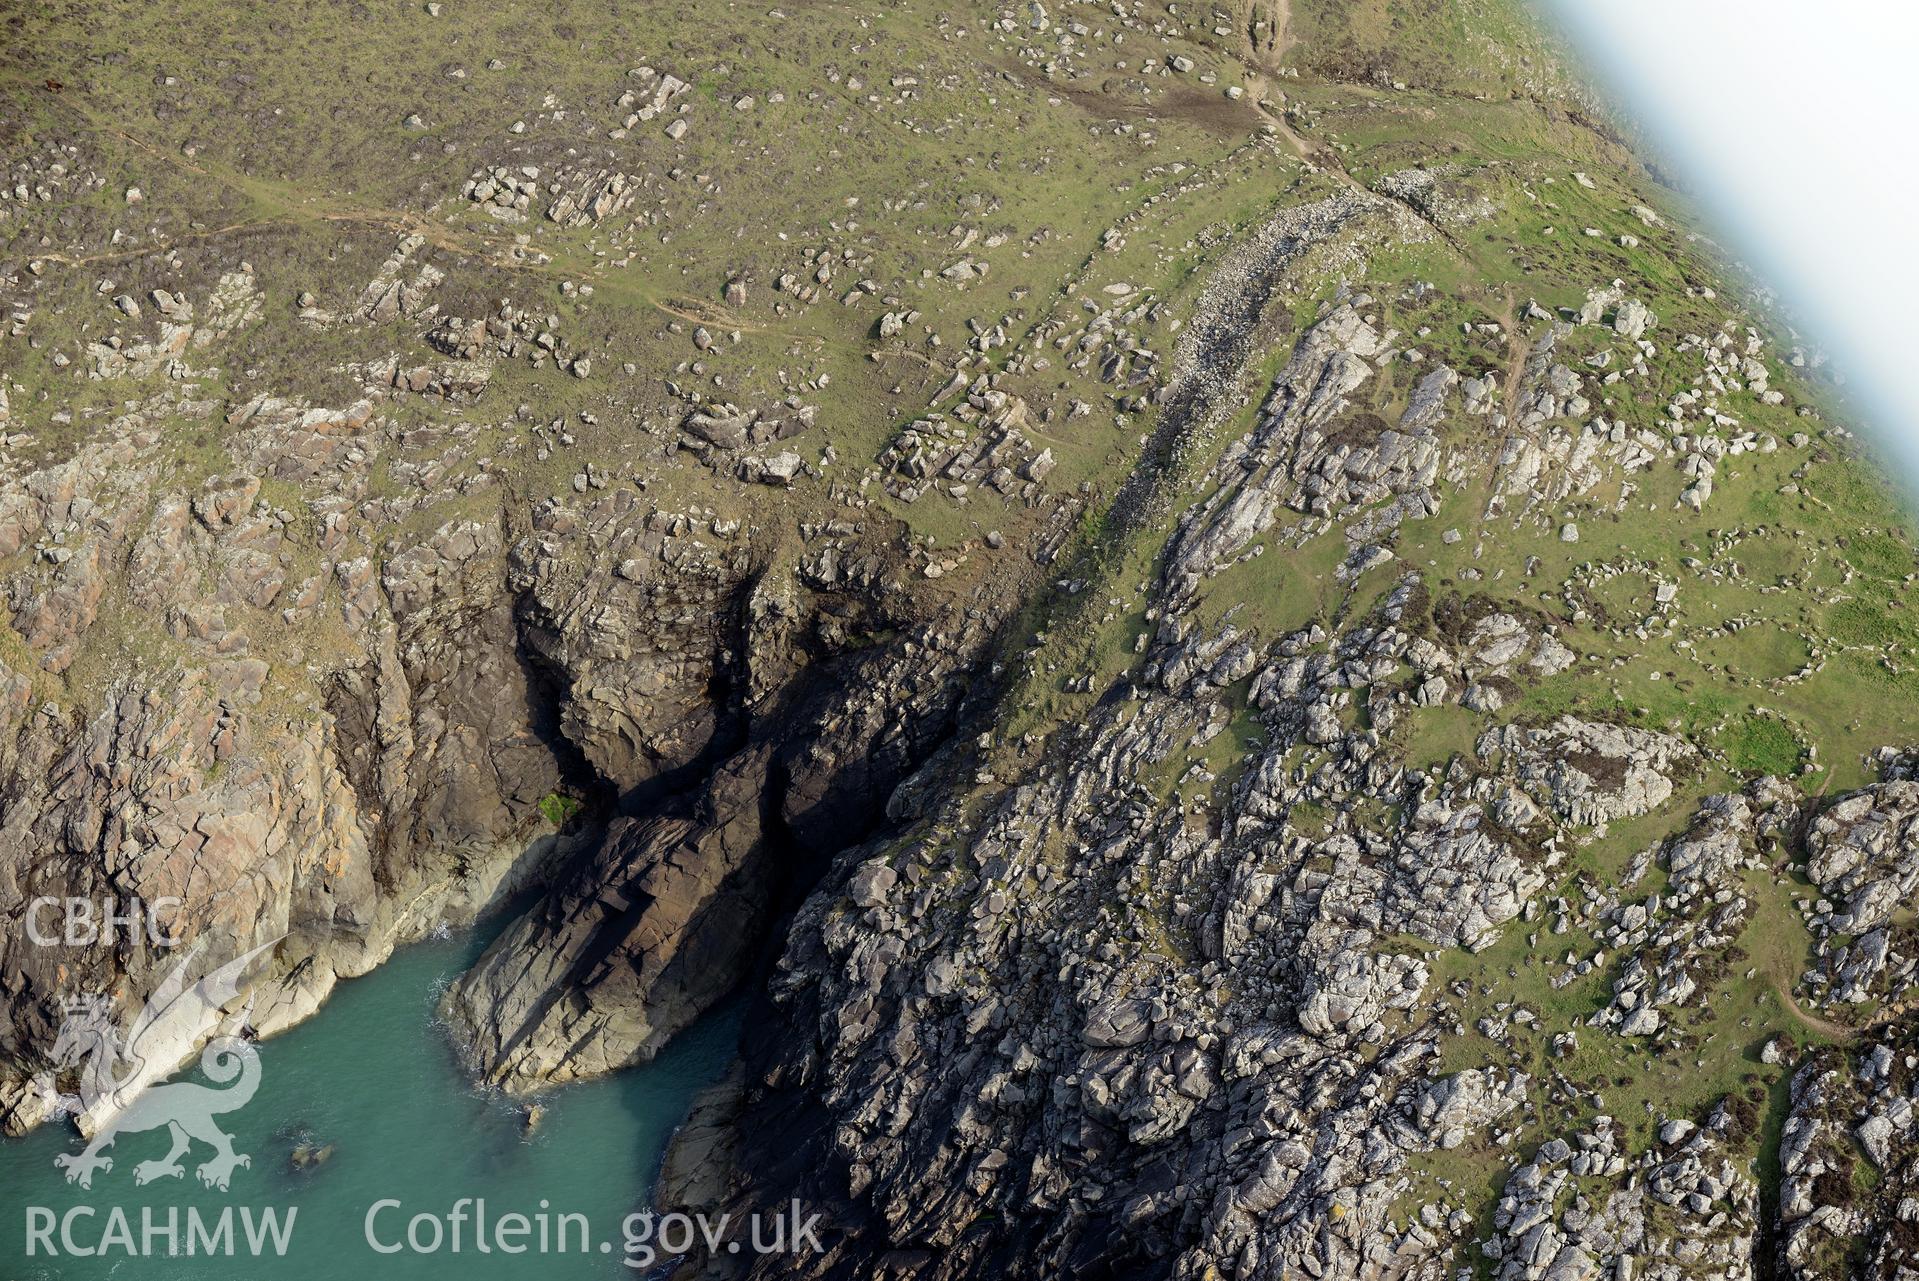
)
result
[(396, 784), (656, 925), (1186, 994), (1262, 660), (1089, 1032), (343, 719)]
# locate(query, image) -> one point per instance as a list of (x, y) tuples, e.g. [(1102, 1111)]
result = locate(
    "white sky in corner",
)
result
[(1796, 123)]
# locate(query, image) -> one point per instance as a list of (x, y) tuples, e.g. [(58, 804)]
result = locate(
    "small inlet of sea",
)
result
[(372, 1084)]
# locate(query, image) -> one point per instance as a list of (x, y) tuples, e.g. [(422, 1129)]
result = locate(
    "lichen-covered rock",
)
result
[(1590, 772)]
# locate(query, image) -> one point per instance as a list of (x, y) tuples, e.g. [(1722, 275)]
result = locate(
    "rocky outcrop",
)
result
[(1312, 450), (643, 940), (1848, 1180), (1863, 855), (1674, 944), (1128, 1042), (646, 933), (1585, 1208), (1589, 772), (342, 815)]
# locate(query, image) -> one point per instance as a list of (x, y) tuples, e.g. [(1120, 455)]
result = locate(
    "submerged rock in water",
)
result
[(307, 1155)]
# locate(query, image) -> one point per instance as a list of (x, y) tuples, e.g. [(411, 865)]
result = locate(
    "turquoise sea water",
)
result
[(373, 1075)]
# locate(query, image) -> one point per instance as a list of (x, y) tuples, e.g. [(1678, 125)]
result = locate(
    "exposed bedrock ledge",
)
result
[(651, 930), (673, 910)]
